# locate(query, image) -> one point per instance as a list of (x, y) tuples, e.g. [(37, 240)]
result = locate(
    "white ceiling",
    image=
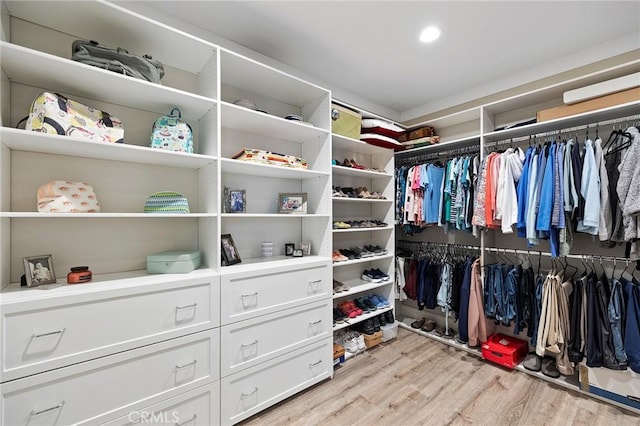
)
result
[(371, 48)]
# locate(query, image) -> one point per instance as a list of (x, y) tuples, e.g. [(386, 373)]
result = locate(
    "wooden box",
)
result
[(613, 99), (345, 122), (371, 340)]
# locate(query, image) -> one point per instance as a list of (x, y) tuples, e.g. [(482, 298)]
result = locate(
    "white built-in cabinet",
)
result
[(189, 340), (377, 177)]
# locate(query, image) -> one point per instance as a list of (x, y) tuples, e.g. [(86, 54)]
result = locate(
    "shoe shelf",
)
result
[(353, 321), (359, 173), (359, 286), (362, 260), (260, 123), (377, 228), (34, 68), (344, 143), (360, 200), (23, 140)]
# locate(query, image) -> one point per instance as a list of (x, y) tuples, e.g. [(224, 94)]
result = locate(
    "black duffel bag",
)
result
[(117, 60)]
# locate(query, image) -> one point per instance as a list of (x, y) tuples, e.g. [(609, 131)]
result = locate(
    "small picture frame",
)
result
[(306, 248), (297, 253), (288, 249), (235, 200), (38, 270), (230, 253), (292, 202)]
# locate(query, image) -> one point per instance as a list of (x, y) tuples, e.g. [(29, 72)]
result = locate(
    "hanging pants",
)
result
[(632, 325), (476, 322), (463, 324)]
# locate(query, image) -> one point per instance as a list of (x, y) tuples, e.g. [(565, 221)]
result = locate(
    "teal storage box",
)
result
[(173, 262)]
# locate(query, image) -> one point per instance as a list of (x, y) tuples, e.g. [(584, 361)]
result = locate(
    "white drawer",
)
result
[(46, 334), (249, 294), (254, 389), (247, 343), (112, 386), (200, 406)]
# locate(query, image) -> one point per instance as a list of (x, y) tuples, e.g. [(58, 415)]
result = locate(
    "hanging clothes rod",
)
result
[(566, 131), (430, 244), (583, 257), (438, 154)]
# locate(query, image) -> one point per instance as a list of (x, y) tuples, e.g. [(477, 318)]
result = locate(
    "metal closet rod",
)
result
[(583, 257), (613, 121), (438, 154), (430, 244)]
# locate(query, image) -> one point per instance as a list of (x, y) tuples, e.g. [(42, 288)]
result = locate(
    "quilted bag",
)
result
[(167, 202), (61, 196), (171, 133), (117, 59), (55, 114)]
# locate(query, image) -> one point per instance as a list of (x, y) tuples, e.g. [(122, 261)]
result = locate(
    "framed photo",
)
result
[(297, 253), (288, 249), (306, 248), (292, 202), (38, 270), (235, 200), (229, 250)]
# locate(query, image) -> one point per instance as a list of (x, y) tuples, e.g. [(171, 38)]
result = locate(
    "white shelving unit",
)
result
[(475, 127), (173, 314), (376, 177)]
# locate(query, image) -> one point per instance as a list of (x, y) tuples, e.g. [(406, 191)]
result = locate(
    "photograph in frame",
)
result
[(38, 270), (292, 202)]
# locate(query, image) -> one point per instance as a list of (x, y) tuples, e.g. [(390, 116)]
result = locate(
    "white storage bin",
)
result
[(389, 331)]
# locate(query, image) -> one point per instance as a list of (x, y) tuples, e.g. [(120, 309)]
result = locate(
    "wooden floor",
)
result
[(414, 380)]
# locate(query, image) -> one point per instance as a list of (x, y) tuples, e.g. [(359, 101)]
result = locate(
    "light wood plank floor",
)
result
[(414, 380)]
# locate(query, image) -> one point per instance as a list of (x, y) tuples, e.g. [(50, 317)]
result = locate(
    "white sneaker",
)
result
[(350, 344), (360, 342)]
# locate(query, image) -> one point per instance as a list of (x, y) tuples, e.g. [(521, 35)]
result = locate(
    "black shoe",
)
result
[(372, 306), (359, 302), (367, 327), (338, 316), (389, 317), (383, 320), (376, 324)]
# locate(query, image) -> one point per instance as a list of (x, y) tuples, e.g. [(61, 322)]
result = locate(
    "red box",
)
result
[(505, 350)]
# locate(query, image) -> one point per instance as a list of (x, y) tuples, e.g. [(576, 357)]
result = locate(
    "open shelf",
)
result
[(229, 165), (363, 260), (359, 286), (353, 321), (359, 173)]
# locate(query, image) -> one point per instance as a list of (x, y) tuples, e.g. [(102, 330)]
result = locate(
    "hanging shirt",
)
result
[(570, 193), (523, 195), (605, 223), (532, 200), (543, 221), (513, 163), (479, 216), (433, 192), (590, 187)]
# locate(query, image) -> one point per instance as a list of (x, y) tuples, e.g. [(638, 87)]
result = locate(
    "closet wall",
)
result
[(473, 132)]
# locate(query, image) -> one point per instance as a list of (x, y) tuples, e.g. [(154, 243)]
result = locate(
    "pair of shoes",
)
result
[(363, 192), (532, 362), (417, 324), (354, 342), (341, 225), (349, 309), (338, 316), (364, 304), (389, 317), (350, 254), (428, 326), (339, 286), (351, 163), (376, 250), (336, 256), (549, 367), (374, 275), (382, 318), (381, 301)]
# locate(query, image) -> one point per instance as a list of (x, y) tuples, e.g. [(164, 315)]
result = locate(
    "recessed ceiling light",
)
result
[(429, 34)]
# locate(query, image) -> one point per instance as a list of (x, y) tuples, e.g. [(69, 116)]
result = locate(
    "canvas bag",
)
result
[(61, 196), (55, 114), (117, 59), (171, 133)]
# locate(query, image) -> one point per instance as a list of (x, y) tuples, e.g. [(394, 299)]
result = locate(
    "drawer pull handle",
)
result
[(186, 365), (316, 322), (255, 342), (192, 419), (35, 413), (315, 282), (186, 306), (249, 295), (244, 395), (51, 333), (315, 363)]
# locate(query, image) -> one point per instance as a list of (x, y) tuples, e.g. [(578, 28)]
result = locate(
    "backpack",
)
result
[(171, 133)]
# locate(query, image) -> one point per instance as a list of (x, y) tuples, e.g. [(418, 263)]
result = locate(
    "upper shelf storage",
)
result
[(271, 90), (344, 143), (34, 68), (115, 26)]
